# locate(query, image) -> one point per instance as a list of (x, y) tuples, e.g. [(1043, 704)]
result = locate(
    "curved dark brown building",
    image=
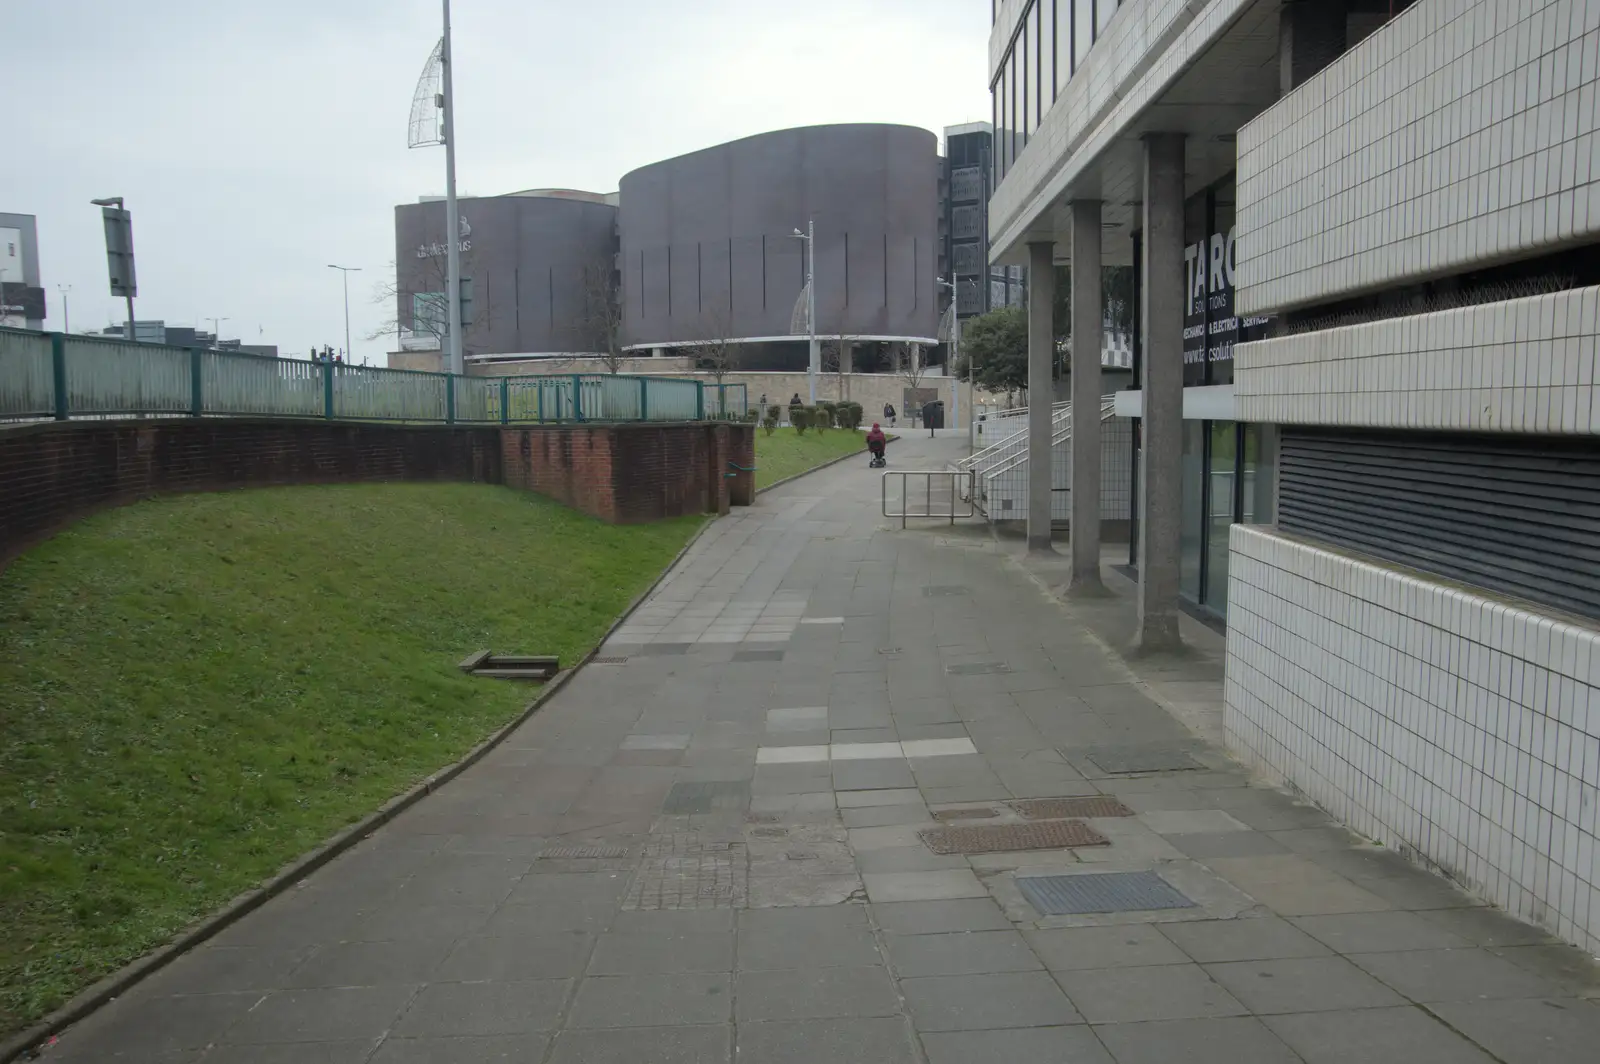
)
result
[(531, 256), (708, 250)]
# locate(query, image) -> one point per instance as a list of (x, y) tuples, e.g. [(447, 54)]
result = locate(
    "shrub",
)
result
[(849, 415), (800, 418), (825, 415), (769, 423)]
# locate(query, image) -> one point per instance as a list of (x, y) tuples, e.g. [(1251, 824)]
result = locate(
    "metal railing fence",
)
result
[(56, 376)]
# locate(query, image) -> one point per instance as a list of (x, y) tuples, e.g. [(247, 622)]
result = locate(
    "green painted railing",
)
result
[(53, 375)]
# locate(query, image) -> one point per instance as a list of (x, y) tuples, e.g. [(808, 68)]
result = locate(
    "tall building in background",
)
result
[(22, 303), (965, 182)]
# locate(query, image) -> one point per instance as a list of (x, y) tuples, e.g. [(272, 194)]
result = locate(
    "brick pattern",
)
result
[(627, 473), (1524, 365), (1462, 132), (54, 474), (57, 473), (1442, 723)]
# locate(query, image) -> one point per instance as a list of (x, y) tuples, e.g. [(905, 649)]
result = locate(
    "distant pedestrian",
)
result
[(889, 413), (763, 400), (794, 400)]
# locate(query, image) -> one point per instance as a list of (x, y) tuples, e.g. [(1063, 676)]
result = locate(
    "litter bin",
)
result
[(933, 414)]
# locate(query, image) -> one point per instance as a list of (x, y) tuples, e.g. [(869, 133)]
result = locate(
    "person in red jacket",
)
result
[(876, 442)]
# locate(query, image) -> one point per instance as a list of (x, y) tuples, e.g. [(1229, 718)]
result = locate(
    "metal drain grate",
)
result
[(582, 853), (1004, 838), (770, 833), (1116, 760), (704, 796), (964, 814), (1109, 892), (888, 650), (977, 668), (758, 655), (944, 590), (1061, 808), (611, 660)]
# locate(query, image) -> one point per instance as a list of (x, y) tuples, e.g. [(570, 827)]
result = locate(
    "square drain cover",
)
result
[(943, 590), (758, 655), (1003, 838), (979, 813), (977, 668), (1120, 759), (613, 659), (1060, 808), (579, 853), (1107, 892), (653, 650), (705, 796)]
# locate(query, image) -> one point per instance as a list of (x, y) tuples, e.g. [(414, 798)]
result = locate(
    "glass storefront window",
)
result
[(1192, 536), (1258, 478), (1220, 509), (1029, 119)]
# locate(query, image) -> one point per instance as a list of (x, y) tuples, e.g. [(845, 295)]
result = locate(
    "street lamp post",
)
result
[(452, 224), (955, 348), (66, 309), (346, 271), (814, 349), (216, 329)]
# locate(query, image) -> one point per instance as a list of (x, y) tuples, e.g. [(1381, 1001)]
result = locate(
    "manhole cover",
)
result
[(977, 668), (703, 796), (943, 590), (964, 814), (582, 853), (613, 660), (1061, 808), (1120, 759), (758, 655), (654, 650), (1001, 838), (1110, 892)]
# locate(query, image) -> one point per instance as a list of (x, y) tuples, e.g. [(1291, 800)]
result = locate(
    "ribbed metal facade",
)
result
[(1515, 514)]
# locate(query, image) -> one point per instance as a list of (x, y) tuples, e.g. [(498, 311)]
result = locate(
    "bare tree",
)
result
[(600, 313), (833, 361), (718, 353), (420, 308)]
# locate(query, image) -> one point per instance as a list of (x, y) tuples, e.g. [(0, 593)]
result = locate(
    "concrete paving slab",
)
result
[(679, 999), (987, 1002), (1035, 1045), (1152, 992), (1405, 1035), (961, 953), (1227, 1040), (1302, 984), (872, 1040), (1120, 946), (922, 886), (710, 1044), (816, 993)]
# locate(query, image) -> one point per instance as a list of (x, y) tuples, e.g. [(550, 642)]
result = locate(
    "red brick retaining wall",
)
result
[(53, 474)]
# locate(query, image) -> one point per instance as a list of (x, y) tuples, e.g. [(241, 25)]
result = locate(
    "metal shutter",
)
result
[(1514, 514)]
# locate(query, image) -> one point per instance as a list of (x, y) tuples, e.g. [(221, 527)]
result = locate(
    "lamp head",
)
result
[(109, 201)]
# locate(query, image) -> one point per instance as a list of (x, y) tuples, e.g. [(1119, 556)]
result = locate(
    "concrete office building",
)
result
[(709, 252), (1369, 247), (966, 179), (22, 304)]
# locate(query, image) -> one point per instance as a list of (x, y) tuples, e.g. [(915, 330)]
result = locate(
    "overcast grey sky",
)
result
[(256, 143)]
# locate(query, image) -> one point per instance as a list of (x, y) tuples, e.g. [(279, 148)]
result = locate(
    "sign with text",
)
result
[(1210, 327)]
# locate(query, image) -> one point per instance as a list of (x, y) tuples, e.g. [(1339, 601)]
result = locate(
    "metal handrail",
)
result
[(1108, 410), (978, 458), (955, 476)]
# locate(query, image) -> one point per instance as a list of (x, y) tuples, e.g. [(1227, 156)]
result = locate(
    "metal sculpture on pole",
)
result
[(433, 122)]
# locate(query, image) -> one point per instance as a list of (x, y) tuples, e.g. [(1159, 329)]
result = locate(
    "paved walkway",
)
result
[(710, 847)]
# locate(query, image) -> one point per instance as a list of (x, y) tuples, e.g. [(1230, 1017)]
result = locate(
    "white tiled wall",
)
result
[(1463, 131), (1145, 48), (1444, 724), (1524, 365)]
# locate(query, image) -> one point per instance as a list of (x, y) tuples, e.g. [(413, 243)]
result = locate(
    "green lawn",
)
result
[(786, 453), (196, 689)]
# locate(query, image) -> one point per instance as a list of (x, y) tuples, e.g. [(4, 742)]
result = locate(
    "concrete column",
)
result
[(1088, 327), (1161, 482), (1311, 34), (1041, 391)]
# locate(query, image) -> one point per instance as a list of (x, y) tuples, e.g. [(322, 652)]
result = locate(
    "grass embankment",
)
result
[(786, 453), (196, 689)]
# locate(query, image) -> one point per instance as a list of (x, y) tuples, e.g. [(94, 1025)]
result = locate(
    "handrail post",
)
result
[(450, 399), (538, 393), (644, 399), (197, 400), (58, 370), (577, 397), (505, 400), (699, 400), (327, 390)]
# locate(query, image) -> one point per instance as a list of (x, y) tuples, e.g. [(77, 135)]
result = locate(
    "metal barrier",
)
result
[(56, 376), (957, 478)]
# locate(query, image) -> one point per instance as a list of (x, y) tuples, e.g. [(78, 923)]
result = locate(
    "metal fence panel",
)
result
[(27, 376), (675, 400), (107, 376), (372, 394), (257, 384), (477, 398), (613, 397)]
